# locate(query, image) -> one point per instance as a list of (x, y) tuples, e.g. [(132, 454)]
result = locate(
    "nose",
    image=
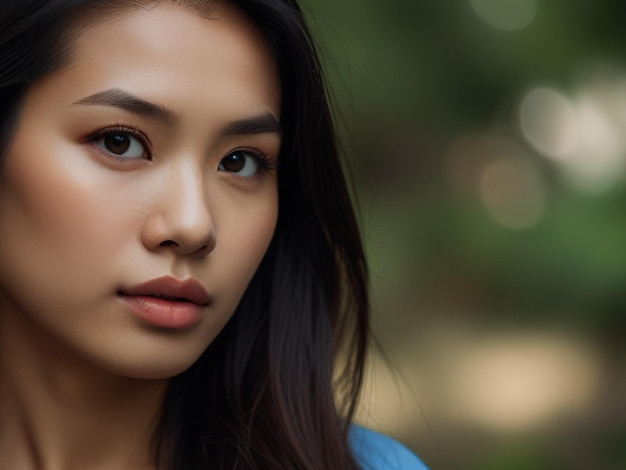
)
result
[(180, 220)]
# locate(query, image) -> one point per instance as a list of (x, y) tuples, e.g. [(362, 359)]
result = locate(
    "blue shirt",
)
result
[(375, 451)]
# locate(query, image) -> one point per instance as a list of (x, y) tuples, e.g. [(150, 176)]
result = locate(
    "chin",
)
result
[(155, 369), (150, 362)]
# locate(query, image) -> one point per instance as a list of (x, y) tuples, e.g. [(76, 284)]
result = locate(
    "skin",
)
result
[(79, 225)]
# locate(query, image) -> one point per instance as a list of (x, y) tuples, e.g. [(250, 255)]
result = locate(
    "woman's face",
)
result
[(150, 157)]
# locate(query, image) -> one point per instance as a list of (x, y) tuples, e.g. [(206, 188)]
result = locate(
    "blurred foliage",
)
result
[(412, 79), (411, 76)]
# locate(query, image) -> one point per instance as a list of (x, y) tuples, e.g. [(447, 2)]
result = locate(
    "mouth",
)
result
[(167, 302), (166, 297), (171, 289)]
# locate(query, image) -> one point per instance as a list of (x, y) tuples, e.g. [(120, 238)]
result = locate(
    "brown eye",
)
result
[(241, 163), (116, 143), (121, 145)]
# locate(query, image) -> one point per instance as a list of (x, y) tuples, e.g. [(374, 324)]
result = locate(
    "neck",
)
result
[(60, 412)]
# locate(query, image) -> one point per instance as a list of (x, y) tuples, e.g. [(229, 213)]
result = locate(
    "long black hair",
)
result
[(278, 387)]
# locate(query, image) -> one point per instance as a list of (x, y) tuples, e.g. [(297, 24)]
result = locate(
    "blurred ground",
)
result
[(487, 139)]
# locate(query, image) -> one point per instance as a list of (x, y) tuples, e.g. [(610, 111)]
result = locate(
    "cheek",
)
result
[(54, 218), (47, 205), (256, 228), (243, 237)]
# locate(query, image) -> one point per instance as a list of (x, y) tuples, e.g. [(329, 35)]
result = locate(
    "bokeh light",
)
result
[(512, 382), (548, 121), (507, 15), (513, 193), (583, 134)]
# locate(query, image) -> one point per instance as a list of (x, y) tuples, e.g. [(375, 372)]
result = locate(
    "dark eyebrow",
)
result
[(260, 124), (128, 102)]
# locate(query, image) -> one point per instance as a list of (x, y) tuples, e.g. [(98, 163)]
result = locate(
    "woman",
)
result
[(180, 266)]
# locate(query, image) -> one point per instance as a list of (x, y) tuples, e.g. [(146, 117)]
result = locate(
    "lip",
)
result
[(167, 302), (171, 288)]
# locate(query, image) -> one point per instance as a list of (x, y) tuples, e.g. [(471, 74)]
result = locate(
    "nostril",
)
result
[(203, 250), (168, 243)]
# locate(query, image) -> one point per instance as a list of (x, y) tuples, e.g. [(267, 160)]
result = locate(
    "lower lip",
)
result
[(164, 313)]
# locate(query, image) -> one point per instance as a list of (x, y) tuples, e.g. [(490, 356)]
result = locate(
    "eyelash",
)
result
[(120, 128), (265, 162)]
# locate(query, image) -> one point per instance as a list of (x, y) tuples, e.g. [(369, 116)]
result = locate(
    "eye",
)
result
[(121, 144), (242, 163)]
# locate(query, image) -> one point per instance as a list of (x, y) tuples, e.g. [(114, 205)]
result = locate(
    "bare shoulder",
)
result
[(375, 451)]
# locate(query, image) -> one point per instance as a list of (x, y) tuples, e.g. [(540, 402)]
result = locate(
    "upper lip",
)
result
[(173, 288)]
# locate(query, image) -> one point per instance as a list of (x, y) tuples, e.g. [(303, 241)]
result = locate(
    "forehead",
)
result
[(165, 46)]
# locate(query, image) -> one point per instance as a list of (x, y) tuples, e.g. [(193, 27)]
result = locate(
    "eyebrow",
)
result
[(259, 124), (128, 102)]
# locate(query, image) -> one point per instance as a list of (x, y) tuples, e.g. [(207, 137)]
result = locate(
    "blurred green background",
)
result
[(487, 139)]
